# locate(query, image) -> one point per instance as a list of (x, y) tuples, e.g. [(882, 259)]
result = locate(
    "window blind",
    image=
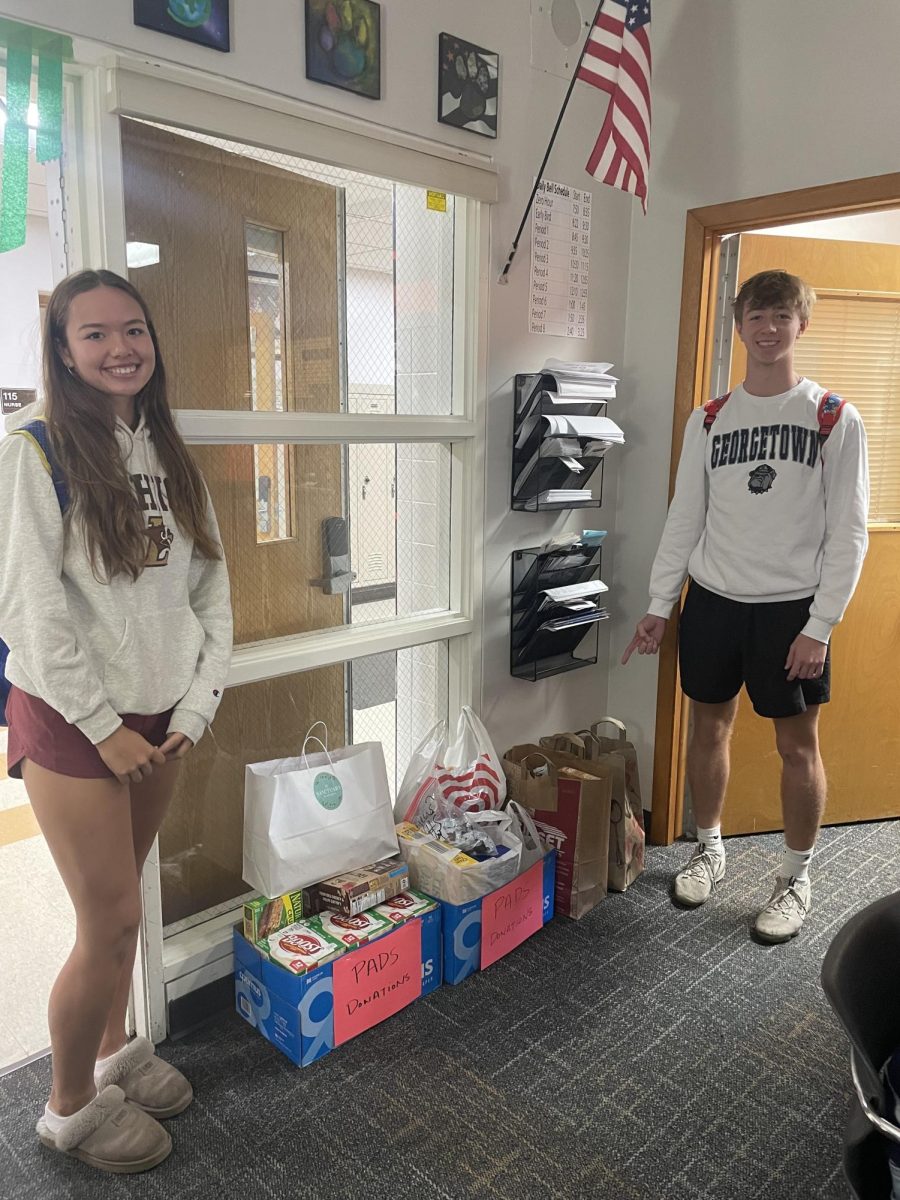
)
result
[(852, 347)]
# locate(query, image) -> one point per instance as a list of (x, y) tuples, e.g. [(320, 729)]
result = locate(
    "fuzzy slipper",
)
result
[(147, 1081), (110, 1134)]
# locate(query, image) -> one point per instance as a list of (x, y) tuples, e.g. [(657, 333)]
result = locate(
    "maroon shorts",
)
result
[(39, 733)]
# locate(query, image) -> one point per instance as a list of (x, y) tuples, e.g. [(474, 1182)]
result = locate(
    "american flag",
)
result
[(617, 60)]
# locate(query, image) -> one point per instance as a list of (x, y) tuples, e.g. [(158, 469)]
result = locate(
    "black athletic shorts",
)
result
[(723, 644)]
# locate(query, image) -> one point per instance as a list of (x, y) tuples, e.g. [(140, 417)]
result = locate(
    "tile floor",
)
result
[(38, 925)]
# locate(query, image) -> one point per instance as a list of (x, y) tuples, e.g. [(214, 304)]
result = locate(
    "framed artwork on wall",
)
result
[(343, 45), (468, 85), (202, 21)]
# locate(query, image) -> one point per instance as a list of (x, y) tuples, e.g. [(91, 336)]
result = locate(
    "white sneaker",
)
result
[(782, 917), (694, 882)]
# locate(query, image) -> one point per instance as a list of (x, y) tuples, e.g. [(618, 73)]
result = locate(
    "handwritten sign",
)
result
[(511, 915), (377, 980)]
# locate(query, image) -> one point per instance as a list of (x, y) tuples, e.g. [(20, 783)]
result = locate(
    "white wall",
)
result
[(748, 100), (24, 272), (267, 44)]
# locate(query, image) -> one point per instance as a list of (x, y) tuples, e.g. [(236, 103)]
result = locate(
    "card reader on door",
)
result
[(337, 575)]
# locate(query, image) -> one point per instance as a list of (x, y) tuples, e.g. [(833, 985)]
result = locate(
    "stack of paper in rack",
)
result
[(559, 618), (569, 439), (556, 420), (565, 495), (581, 380)]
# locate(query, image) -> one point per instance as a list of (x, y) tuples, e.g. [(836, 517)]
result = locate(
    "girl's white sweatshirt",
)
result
[(762, 512), (94, 651)]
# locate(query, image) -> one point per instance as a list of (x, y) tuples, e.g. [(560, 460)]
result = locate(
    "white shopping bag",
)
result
[(308, 818)]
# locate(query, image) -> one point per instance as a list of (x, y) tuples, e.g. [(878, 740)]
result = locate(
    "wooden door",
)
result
[(226, 348), (860, 733)]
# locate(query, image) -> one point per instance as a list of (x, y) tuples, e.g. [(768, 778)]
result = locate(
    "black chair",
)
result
[(861, 979)]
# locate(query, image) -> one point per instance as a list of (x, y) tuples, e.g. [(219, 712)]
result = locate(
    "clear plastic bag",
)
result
[(441, 871)]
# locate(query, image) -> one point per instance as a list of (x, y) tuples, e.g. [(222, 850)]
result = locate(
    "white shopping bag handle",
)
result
[(309, 738)]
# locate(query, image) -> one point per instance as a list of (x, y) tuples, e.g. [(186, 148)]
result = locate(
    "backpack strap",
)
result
[(712, 410), (830, 408), (36, 432)]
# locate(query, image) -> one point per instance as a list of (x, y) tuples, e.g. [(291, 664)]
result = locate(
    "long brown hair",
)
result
[(82, 428)]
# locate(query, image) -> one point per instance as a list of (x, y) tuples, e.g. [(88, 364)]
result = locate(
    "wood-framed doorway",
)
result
[(704, 230)]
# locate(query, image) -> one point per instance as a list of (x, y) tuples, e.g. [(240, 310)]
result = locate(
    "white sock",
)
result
[(102, 1063), (712, 839), (795, 864), (54, 1122)]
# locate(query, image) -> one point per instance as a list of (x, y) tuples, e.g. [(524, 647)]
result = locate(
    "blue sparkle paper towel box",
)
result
[(462, 926), (296, 1013)]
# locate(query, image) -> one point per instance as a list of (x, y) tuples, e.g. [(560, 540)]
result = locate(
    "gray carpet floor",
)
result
[(643, 1053)]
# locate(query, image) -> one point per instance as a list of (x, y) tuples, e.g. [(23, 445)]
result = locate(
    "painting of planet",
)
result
[(343, 45), (201, 21)]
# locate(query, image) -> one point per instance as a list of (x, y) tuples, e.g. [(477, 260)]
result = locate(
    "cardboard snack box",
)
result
[(355, 892), (302, 947), (263, 916), (354, 930), (405, 906)]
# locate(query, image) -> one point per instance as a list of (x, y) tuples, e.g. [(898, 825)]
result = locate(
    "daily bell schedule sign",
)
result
[(560, 260)]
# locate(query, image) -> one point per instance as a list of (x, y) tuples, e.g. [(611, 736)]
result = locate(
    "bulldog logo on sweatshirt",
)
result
[(761, 479), (161, 539)]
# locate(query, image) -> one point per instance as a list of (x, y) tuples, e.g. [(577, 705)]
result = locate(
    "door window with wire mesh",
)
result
[(284, 288)]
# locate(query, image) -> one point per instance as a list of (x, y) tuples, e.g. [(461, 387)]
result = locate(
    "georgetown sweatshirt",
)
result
[(763, 512), (93, 650)]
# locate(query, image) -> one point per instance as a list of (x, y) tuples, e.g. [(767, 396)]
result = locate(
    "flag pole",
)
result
[(537, 183)]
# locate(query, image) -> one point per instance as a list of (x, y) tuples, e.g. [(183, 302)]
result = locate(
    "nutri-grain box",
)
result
[(263, 916), (303, 946)]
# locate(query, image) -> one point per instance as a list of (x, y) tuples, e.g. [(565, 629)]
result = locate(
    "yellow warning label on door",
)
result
[(437, 201)]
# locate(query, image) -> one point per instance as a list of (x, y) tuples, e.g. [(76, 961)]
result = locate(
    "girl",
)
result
[(114, 603)]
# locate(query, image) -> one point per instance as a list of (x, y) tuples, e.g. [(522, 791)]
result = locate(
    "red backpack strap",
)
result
[(712, 410), (830, 408)]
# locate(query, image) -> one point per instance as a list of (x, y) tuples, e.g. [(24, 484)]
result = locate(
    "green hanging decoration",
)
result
[(22, 43)]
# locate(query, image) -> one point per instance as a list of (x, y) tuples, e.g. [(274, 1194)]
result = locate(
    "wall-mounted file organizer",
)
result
[(550, 469), (545, 631)]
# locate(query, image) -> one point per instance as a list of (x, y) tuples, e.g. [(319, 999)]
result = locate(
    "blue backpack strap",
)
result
[(712, 410), (829, 413), (36, 432)]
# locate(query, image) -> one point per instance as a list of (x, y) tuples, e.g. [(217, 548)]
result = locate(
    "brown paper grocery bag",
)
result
[(627, 838), (573, 808)]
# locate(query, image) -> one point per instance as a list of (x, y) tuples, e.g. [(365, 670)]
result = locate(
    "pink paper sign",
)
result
[(512, 914), (377, 980)]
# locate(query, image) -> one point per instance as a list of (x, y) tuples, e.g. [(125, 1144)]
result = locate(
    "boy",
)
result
[(769, 521)]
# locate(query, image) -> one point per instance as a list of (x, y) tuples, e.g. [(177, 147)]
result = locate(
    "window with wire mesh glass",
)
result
[(348, 286), (307, 289), (370, 536), (395, 286)]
